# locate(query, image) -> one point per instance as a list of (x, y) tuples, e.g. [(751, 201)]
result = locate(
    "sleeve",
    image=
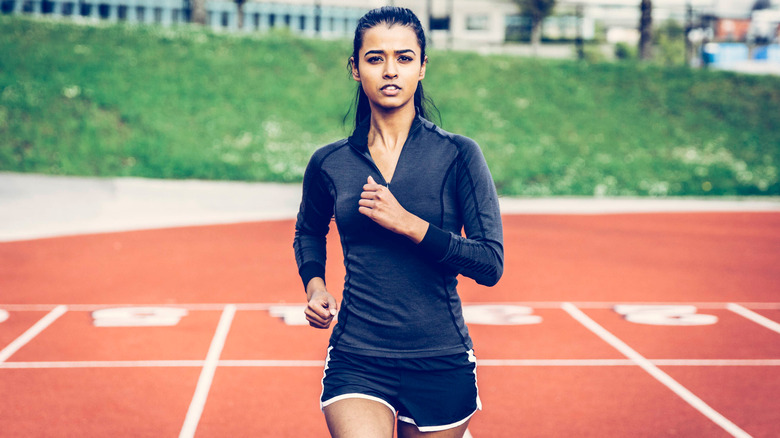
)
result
[(479, 255), (313, 223)]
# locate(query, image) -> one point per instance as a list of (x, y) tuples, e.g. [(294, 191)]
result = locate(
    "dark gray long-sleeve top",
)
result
[(400, 298)]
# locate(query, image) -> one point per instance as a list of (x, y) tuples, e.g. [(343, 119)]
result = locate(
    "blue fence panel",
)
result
[(730, 53), (773, 53), (725, 55)]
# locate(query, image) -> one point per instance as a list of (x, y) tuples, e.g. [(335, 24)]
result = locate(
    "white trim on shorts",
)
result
[(357, 395), (473, 358), (324, 371), (438, 428), (330, 401)]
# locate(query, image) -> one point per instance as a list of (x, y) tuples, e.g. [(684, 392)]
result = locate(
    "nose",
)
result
[(390, 70)]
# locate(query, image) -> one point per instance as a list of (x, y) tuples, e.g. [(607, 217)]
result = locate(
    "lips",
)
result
[(390, 89)]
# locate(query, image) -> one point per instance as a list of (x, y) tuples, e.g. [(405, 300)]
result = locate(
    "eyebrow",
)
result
[(382, 52)]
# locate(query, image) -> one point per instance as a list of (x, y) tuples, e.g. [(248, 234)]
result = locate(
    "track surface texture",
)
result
[(619, 325)]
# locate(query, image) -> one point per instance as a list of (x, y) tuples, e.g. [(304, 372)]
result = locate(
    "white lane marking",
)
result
[(717, 362), (268, 306), (32, 332), (654, 371), (207, 373), (320, 363), (753, 316), (104, 364), (272, 363), (628, 362), (554, 362)]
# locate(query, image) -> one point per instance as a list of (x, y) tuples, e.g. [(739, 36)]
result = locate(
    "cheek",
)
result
[(414, 77)]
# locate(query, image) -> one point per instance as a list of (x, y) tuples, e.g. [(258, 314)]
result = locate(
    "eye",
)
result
[(405, 58), (374, 59)]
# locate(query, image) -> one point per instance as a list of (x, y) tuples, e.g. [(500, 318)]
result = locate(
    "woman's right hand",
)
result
[(322, 307)]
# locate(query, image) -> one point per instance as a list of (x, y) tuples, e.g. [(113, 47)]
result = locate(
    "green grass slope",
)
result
[(187, 103)]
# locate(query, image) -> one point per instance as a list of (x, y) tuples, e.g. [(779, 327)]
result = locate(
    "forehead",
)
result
[(390, 39)]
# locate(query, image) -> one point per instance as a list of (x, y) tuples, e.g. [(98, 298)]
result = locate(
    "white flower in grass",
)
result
[(71, 91)]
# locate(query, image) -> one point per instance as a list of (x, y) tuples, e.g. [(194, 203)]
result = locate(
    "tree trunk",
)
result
[(646, 30), (198, 11), (536, 35), (240, 11)]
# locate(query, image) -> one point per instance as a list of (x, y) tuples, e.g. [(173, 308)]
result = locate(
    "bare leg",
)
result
[(406, 430), (359, 418)]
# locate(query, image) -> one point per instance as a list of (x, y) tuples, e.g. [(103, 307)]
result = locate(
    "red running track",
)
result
[(555, 358)]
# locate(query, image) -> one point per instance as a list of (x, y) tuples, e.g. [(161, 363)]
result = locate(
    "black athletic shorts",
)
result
[(434, 393)]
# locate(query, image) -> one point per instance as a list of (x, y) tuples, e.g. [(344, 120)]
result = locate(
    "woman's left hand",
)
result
[(379, 204)]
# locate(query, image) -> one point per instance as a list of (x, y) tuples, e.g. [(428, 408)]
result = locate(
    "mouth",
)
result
[(390, 90)]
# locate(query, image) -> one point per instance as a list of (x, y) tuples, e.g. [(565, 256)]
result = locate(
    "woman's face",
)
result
[(389, 66)]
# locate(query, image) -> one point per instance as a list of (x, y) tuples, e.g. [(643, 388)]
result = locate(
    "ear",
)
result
[(422, 68), (355, 72)]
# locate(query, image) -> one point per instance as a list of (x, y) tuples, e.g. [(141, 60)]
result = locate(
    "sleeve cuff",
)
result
[(436, 242), (311, 270)]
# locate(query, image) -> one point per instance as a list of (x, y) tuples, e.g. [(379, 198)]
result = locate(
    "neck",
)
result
[(389, 128)]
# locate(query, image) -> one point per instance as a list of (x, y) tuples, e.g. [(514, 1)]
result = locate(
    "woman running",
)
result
[(401, 190)]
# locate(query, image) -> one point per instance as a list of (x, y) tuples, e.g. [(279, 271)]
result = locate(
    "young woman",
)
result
[(401, 190)]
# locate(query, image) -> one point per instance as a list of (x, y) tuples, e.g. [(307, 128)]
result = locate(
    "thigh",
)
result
[(359, 418), (406, 430)]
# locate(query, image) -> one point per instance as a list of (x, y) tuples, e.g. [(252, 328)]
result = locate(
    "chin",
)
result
[(392, 104)]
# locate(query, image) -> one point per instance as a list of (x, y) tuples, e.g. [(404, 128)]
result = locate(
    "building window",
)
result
[(440, 23), (477, 22)]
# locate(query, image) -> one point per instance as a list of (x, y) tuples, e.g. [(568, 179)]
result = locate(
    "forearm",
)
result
[(480, 258), (482, 261), (414, 228), (316, 284)]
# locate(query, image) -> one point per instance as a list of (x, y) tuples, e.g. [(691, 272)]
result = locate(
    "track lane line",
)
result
[(628, 362), (207, 373), (266, 306), (654, 371), (753, 316), (104, 364), (315, 363), (32, 332), (716, 362)]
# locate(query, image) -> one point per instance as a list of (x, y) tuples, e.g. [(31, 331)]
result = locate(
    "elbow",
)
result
[(497, 269), (491, 279), (491, 276), (485, 267)]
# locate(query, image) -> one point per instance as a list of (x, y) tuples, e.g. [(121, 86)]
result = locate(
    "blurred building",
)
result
[(450, 23), (746, 39)]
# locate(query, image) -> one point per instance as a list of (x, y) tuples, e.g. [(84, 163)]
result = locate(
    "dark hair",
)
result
[(390, 16)]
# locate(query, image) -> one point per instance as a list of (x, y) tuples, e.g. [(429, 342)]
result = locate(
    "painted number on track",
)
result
[(138, 317), (681, 315), (291, 315), (500, 314), (486, 314)]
